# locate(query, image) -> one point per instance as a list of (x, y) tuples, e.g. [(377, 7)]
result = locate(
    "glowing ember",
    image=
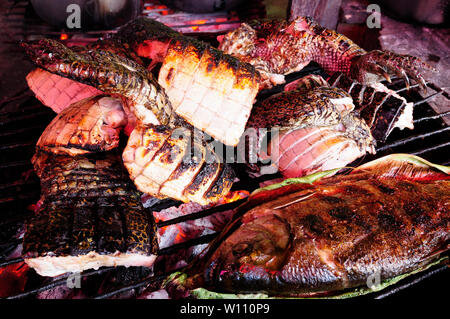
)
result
[(13, 279), (233, 196), (64, 36)]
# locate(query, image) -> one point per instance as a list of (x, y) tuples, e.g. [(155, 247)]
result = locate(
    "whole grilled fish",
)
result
[(211, 90), (91, 216), (386, 218)]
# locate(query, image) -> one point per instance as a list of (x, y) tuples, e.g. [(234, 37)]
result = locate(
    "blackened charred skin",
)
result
[(315, 224), (384, 188), (206, 172), (342, 213), (223, 181)]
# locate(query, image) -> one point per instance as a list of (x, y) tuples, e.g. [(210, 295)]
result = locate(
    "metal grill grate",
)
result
[(20, 187), (23, 118)]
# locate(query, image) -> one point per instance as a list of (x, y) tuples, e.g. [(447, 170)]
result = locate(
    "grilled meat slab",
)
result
[(211, 90), (317, 130), (91, 216), (388, 217), (165, 161), (89, 125)]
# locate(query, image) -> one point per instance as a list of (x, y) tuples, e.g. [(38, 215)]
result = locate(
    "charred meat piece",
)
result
[(165, 161), (317, 130), (211, 90), (91, 216), (108, 72), (90, 125), (279, 47), (387, 218)]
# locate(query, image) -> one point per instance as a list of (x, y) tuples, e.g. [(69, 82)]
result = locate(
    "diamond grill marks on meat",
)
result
[(388, 217), (166, 162), (278, 47), (381, 108), (317, 130), (90, 125), (91, 217), (56, 91), (211, 90), (109, 73)]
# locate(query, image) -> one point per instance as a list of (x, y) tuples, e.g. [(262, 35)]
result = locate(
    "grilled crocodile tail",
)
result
[(91, 216), (109, 73), (164, 161)]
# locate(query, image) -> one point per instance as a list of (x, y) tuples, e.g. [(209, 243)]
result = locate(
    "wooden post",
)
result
[(324, 12)]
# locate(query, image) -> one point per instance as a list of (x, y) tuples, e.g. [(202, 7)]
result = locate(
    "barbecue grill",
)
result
[(23, 118)]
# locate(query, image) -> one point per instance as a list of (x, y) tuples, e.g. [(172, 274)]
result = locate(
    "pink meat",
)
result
[(56, 91), (304, 151)]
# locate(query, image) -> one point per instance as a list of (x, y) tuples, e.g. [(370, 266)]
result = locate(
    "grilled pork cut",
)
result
[(211, 90), (386, 218), (318, 130), (91, 216), (89, 125), (165, 161)]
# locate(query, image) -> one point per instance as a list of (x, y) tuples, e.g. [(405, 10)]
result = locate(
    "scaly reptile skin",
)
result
[(279, 47)]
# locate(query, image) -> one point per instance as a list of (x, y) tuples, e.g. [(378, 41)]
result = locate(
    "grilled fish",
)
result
[(89, 125), (386, 218), (164, 161), (211, 90), (318, 130), (91, 216)]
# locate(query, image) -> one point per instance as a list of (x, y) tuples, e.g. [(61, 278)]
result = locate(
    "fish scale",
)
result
[(386, 218)]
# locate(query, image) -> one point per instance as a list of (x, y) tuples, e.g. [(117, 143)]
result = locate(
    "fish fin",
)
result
[(405, 166)]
